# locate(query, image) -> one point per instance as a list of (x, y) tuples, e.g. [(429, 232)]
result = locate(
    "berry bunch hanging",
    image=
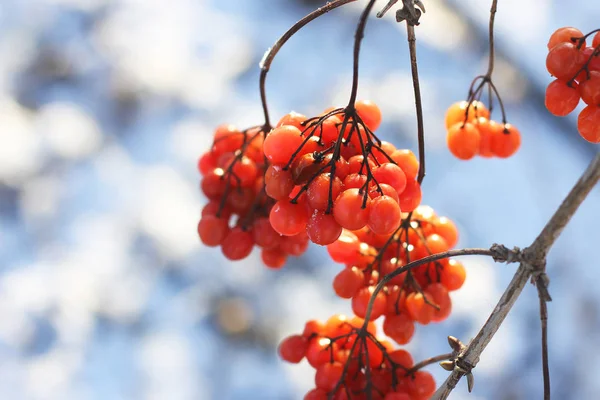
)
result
[(236, 217), (471, 132), (576, 68), (419, 295), (350, 362), (331, 172)]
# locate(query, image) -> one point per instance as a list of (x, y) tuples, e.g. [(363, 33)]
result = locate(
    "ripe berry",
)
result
[(463, 140)]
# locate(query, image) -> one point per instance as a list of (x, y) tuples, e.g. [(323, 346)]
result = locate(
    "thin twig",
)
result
[(429, 361), (412, 47), (545, 363), (358, 36), (491, 60), (493, 252)]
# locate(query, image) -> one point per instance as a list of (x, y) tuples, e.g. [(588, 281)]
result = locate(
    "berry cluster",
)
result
[(330, 180), (576, 68), (351, 362), (331, 172), (471, 132), (419, 295), (233, 181)]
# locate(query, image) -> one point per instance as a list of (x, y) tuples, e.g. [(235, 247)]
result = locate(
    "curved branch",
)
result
[(497, 252), (265, 64)]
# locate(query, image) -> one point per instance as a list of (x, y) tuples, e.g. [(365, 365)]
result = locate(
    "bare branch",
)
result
[(533, 262), (563, 215)]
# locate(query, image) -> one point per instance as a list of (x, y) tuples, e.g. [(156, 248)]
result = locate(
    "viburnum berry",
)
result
[(408, 162), (563, 61), (411, 197), (361, 300), (369, 112), (441, 298), (293, 348), (328, 375), (463, 140), (212, 230), (507, 142), (447, 229), (351, 209), (564, 35), (419, 307), (348, 282), (278, 182), (322, 228), (273, 258), (421, 385), (237, 244), (588, 124), (590, 89), (596, 40), (384, 215), (391, 174), (288, 219), (316, 394), (400, 327), (318, 193), (294, 119), (561, 99), (281, 143), (457, 112), (453, 275)]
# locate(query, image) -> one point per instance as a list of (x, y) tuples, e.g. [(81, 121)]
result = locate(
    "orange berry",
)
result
[(457, 112), (507, 142), (588, 124), (463, 140)]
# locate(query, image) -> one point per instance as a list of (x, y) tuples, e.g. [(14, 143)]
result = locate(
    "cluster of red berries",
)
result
[(471, 132), (330, 173), (330, 180), (419, 295), (576, 68), (233, 180), (350, 363)]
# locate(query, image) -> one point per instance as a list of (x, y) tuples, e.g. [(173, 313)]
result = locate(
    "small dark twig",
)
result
[(412, 47), (545, 362), (429, 361)]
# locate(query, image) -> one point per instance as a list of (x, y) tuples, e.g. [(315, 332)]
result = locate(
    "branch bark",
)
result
[(532, 265)]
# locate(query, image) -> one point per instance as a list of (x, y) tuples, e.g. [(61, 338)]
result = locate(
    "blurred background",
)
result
[(105, 106)]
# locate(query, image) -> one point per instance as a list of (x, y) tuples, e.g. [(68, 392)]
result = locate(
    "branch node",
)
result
[(502, 253), (408, 12), (541, 281)]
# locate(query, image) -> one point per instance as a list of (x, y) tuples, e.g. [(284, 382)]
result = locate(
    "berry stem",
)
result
[(267, 60), (411, 265), (491, 61), (429, 361), (412, 47), (358, 36)]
